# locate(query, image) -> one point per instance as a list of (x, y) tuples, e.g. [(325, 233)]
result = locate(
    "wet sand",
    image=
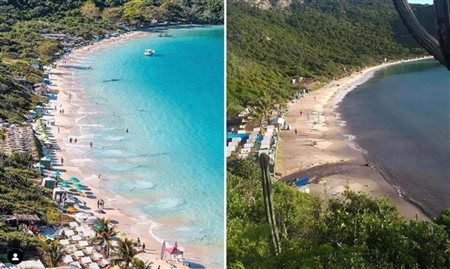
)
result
[(71, 99), (322, 151)]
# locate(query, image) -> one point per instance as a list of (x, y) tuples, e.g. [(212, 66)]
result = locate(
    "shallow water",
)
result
[(169, 164), (401, 117)]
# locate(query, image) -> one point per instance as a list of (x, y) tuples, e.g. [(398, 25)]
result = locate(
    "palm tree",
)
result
[(53, 251), (104, 234), (140, 264), (125, 253)]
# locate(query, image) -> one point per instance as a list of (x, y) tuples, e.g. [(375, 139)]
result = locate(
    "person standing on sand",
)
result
[(143, 247), (76, 140), (62, 161), (295, 131), (139, 241), (91, 144), (301, 113), (70, 140), (98, 203), (58, 130)]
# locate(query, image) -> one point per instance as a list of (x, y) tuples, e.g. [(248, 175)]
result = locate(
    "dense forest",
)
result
[(316, 40), (25, 23), (353, 231)]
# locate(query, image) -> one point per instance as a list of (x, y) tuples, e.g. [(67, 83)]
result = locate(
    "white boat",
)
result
[(149, 52)]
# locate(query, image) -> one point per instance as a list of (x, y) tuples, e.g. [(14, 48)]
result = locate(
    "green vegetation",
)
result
[(53, 252), (104, 234), (24, 23), (354, 231), (316, 40), (20, 195)]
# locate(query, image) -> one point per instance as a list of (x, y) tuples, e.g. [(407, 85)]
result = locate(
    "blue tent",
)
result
[(301, 181), (233, 135)]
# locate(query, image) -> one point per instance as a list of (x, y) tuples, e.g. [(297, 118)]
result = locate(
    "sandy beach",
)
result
[(324, 152), (71, 99)]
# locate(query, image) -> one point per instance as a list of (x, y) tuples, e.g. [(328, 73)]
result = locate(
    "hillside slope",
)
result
[(318, 40)]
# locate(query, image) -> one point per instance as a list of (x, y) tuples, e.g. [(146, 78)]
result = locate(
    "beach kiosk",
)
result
[(46, 162), (49, 182), (58, 194)]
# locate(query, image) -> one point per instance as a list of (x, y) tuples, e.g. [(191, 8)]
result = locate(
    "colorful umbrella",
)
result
[(74, 179)]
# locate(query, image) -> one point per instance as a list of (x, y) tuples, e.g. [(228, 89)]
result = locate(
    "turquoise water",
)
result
[(170, 163), (401, 117)]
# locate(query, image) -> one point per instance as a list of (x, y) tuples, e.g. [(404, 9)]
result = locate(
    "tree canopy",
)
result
[(353, 231)]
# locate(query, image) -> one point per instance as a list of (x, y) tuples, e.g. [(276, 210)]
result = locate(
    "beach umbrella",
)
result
[(80, 187), (78, 253), (163, 249), (56, 174), (64, 184), (67, 259), (74, 179), (91, 220)]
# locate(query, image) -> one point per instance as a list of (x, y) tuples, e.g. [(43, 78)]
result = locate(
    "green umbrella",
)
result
[(64, 184), (80, 187), (56, 174), (74, 179)]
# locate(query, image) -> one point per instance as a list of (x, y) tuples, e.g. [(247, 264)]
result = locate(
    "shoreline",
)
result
[(328, 154), (71, 99)]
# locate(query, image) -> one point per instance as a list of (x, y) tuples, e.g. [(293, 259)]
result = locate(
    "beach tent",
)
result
[(46, 162), (83, 244), (97, 256), (64, 242), (76, 265), (69, 232), (78, 253), (35, 264), (175, 252), (89, 250), (93, 266), (301, 181), (58, 194), (67, 259), (76, 238), (49, 183), (86, 260)]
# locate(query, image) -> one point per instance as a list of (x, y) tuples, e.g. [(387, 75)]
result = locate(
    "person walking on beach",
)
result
[(70, 140), (98, 203), (301, 113), (295, 131), (139, 241), (62, 161), (58, 129), (99, 176), (91, 144), (143, 247), (76, 140), (127, 130)]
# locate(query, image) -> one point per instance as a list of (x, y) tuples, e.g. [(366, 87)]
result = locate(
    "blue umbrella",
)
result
[(56, 174)]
